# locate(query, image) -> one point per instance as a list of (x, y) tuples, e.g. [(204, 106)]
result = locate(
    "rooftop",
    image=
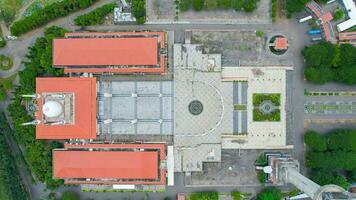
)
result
[(281, 43), (110, 163), (77, 96), (140, 51)]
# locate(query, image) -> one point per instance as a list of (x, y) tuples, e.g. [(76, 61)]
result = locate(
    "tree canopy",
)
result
[(331, 156), (38, 63), (47, 14), (96, 16), (328, 62)]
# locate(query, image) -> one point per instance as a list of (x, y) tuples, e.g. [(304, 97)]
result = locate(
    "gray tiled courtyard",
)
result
[(136, 107)]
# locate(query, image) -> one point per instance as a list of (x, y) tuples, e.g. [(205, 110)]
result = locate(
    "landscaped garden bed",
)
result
[(257, 99), (266, 107)]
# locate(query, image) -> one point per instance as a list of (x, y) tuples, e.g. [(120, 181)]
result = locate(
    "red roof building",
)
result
[(347, 35), (281, 43), (66, 108), (110, 164), (117, 52), (105, 51)]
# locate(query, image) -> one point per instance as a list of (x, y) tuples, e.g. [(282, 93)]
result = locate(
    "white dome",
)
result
[(267, 169), (52, 109)]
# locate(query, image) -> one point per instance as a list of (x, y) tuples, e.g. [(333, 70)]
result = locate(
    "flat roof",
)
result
[(84, 90), (105, 164), (131, 51)]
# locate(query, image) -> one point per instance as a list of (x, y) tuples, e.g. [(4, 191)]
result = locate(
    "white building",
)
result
[(351, 12)]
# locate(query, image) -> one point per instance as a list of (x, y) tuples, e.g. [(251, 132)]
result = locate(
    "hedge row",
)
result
[(47, 14), (96, 16)]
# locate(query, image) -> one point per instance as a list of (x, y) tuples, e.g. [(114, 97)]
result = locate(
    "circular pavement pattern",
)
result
[(195, 107)]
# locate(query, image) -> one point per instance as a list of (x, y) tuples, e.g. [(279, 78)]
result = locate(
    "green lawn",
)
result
[(240, 107)]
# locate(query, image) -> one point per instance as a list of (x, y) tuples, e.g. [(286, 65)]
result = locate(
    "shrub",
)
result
[(315, 141), (338, 14), (259, 116), (47, 14), (236, 195), (204, 196), (2, 42), (262, 177), (5, 62), (96, 16), (198, 5), (260, 34), (258, 98), (270, 193)]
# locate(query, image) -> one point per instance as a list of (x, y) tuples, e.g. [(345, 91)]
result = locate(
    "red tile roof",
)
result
[(347, 35), (84, 90), (110, 163), (105, 164), (281, 43), (105, 51), (327, 17)]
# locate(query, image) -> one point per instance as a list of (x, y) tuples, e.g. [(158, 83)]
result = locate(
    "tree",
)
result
[(318, 76), (96, 16), (211, 4), (294, 6), (338, 14), (319, 55), (198, 5), (185, 5), (225, 4), (341, 140), (69, 195), (7, 84), (47, 14), (315, 141), (270, 193), (249, 5), (325, 177)]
